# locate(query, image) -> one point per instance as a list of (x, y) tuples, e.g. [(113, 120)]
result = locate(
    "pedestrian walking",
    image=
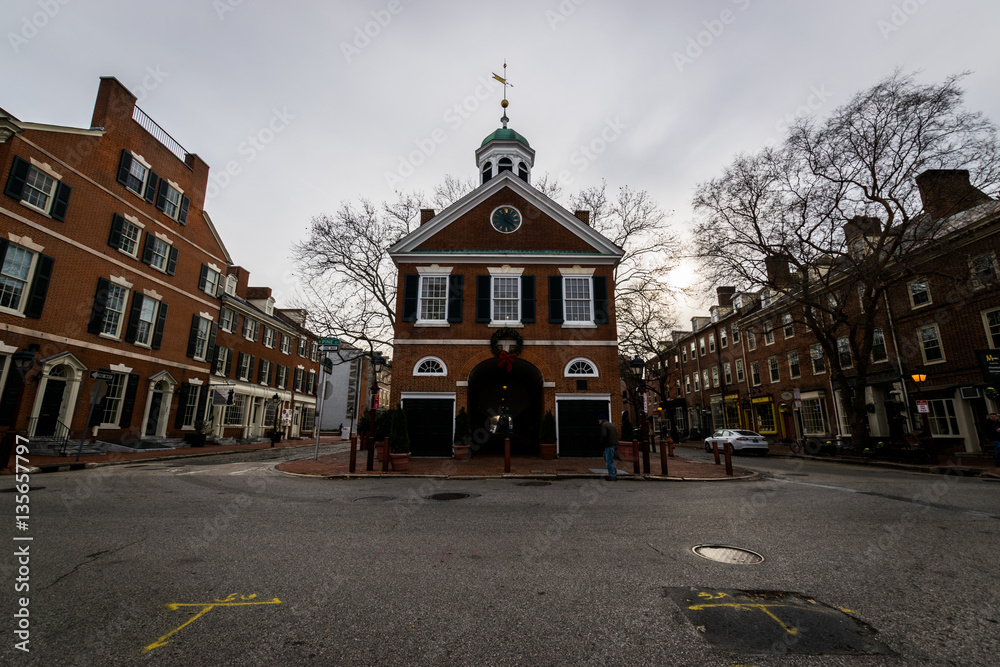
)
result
[(609, 439), (992, 429)]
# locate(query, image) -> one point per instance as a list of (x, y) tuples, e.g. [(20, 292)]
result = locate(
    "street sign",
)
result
[(798, 403), (796, 394), (922, 406), (102, 375), (329, 344)]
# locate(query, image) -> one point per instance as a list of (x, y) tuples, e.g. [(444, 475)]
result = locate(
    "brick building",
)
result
[(109, 262), (507, 310)]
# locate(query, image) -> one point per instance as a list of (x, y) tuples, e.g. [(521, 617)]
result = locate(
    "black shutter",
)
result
[(161, 320), (483, 298), (239, 363), (151, 181), (203, 393), (411, 292), (133, 319), (172, 261), (147, 249), (454, 298), (229, 362), (182, 399), (161, 194), (18, 175), (61, 202), (124, 167), (203, 280), (8, 400), (3, 249), (193, 338), (115, 237), (39, 287), (270, 374), (100, 305), (250, 368), (600, 300), (527, 298), (182, 215), (97, 414), (213, 333), (129, 401), (555, 300)]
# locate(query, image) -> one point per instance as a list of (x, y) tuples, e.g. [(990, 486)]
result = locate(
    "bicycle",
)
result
[(810, 445)]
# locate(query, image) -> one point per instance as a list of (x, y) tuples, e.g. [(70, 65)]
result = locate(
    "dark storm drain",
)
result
[(775, 622), (448, 496), (731, 555), (539, 483), (30, 488), (374, 499)]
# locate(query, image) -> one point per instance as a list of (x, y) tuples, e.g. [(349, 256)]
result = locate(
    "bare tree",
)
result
[(823, 221)]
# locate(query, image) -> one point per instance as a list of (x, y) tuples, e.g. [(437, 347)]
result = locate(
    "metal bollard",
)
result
[(506, 455), (729, 459), (635, 457), (354, 454), (715, 450), (385, 455), (663, 459)]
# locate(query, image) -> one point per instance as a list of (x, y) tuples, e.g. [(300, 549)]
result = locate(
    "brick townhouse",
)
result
[(507, 310), (104, 244), (942, 317)]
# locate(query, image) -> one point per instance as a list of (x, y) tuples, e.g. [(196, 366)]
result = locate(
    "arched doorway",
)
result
[(495, 393)]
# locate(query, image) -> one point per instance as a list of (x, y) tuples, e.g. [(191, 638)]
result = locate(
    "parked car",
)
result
[(739, 441)]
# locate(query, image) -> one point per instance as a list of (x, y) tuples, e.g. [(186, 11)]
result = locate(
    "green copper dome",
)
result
[(504, 134)]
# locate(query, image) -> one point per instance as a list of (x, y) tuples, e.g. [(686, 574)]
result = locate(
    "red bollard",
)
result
[(354, 454), (371, 453), (506, 455), (635, 457), (663, 459), (385, 455), (715, 450), (729, 460)]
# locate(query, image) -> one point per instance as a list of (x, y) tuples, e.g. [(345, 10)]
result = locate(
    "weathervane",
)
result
[(504, 103)]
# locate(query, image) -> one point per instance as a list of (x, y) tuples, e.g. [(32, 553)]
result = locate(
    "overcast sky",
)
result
[(374, 95)]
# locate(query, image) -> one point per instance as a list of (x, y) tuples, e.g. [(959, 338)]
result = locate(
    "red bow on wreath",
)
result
[(507, 359)]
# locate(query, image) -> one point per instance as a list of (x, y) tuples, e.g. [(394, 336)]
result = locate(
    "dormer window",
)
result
[(487, 171), (231, 285), (505, 164), (269, 306)]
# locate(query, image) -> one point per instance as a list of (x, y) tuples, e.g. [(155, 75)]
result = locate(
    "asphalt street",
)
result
[(222, 561)]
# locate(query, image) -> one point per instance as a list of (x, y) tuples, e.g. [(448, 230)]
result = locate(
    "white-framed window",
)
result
[(879, 353), (687, 384), (263, 371), (281, 377), (314, 351), (147, 321), (506, 294), (231, 285), (251, 328), (190, 408), (844, 352), (677, 364), (794, 370), (755, 373), (768, 332), (991, 320), (14, 278), (943, 419), (433, 299), (701, 346), (222, 359), (171, 202), (580, 367), (684, 354), (694, 353), (813, 416), (201, 339), (286, 344), (983, 269), (160, 250), (430, 366), (269, 335), (577, 299), (818, 363), (227, 319), (234, 412), (766, 298), (39, 190), (302, 347), (787, 326), (715, 376), (269, 306), (723, 338), (920, 293), (136, 178), (740, 373), (113, 400), (244, 367), (772, 364), (736, 334), (704, 378), (930, 344), (697, 382), (727, 372), (114, 311), (210, 280), (129, 243), (751, 340)]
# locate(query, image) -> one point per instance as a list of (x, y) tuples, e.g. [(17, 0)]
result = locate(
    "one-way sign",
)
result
[(102, 375)]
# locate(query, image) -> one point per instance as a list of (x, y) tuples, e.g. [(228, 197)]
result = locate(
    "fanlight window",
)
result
[(430, 366), (581, 368)]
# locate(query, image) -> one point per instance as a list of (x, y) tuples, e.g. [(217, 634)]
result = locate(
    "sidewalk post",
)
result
[(715, 450), (506, 455), (635, 457), (663, 458), (354, 453), (729, 460)]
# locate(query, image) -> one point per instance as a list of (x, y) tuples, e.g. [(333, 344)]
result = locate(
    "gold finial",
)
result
[(504, 102)]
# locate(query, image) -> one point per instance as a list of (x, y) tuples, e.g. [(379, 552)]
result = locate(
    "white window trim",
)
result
[(577, 272), (984, 314), (798, 361), (909, 294), (503, 272), (920, 342), (443, 322), (26, 292), (417, 365), (592, 374)]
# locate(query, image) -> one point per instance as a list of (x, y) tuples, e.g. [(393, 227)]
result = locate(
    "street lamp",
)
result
[(277, 404), (637, 366), (377, 362), (919, 377)]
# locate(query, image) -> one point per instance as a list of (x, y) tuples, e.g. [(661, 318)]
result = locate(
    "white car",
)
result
[(739, 441)]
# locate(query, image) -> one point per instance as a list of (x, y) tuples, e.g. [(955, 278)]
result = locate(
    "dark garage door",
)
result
[(430, 422), (579, 432)]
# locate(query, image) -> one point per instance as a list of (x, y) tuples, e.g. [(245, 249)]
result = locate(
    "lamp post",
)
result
[(637, 366), (919, 377), (377, 362), (23, 361), (277, 408)]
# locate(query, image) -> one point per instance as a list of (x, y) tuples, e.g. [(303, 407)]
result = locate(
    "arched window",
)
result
[(505, 164), (487, 171), (430, 366), (58, 372), (581, 368), (522, 171)]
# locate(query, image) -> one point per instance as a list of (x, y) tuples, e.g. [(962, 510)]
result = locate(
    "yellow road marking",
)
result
[(206, 607)]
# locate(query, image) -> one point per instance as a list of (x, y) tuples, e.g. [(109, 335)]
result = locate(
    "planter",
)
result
[(548, 451), (625, 452), (462, 452), (399, 462), (195, 439)]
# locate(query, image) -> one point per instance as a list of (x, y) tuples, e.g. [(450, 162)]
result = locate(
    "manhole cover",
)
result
[(539, 483), (30, 488), (374, 499), (448, 496), (731, 555)]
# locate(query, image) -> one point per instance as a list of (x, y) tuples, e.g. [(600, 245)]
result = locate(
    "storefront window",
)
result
[(764, 416), (813, 416)]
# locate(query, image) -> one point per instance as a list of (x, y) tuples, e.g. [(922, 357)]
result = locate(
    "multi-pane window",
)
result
[(920, 293), (768, 332), (704, 378), (755, 373), (701, 346), (813, 416), (263, 371), (227, 319), (302, 347), (286, 344), (190, 408), (816, 353), (299, 379), (147, 320), (766, 298), (129, 243), (38, 187), (991, 320), (429, 367), (231, 285), (269, 335), (160, 250), (245, 365), (693, 352), (793, 364), (740, 374), (281, 377), (308, 419), (14, 277), (930, 344), (879, 352), (751, 340), (234, 412), (788, 327), (222, 359), (727, 372), (984, 269), (844, 352), (113, 399), (715, 376), (764, 412), (723, 338), (772, 364), (114, 310), (433, 299), (314, 351), (582, 367), (684, 354), (201, 338), (697, 381), (711, 342), (506, 298), (210, 281), (576, 293), (736, 334), (251, 328), (172, 202), (687, 384), (943, 419), (136, 178)]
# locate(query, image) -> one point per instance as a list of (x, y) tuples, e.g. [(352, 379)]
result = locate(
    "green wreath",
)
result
[(506, 332)]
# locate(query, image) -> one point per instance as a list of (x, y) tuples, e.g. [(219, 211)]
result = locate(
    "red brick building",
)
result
[(109, 262), (505, 271)]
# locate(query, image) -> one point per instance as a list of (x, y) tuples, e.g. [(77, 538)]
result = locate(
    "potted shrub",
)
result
[(462, 447), (399, 440), (547, 436), (201, 431)]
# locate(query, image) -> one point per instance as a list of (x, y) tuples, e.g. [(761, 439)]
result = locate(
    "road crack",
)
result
[(90, 558)]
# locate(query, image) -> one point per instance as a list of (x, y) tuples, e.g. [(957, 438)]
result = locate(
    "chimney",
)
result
[(725, 295), (777, 270), (583, 215), (945, 192), (425, 215), (114, 103), (258, 292)]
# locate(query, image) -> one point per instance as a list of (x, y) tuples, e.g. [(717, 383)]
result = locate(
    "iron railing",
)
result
[(150, 125)]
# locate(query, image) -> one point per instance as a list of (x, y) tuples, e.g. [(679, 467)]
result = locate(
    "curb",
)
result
[(960, 471), (752, 476)]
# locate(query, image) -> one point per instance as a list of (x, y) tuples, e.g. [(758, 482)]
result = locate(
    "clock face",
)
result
[(506, 219)]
